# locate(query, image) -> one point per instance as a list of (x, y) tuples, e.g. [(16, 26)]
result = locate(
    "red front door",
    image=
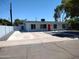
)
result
[(49, 27)]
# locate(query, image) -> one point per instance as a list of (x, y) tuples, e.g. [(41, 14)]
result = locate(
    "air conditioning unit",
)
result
[(42, 20)]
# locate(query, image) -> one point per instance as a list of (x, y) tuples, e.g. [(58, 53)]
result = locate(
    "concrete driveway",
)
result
[(33, 36), (39, 46)]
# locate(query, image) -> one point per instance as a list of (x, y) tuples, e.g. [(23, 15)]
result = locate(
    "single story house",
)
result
[(40, 26)]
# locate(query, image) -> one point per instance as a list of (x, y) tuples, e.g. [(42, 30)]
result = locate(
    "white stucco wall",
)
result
[(28, 26), (4, 30)]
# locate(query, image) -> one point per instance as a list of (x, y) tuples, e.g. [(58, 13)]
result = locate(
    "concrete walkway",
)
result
[(45, 47)]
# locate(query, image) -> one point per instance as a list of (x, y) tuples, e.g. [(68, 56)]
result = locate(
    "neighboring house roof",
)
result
[(42, 22)]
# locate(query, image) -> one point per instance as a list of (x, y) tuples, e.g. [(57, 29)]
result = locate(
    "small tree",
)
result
[(5, 22), (18, 22), (73, 23)]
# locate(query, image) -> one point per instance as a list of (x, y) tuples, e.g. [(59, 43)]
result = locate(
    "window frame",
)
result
[(33, 26), (55, 26), (43, 26)]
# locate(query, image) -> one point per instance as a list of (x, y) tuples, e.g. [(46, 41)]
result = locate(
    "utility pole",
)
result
[(11, 12)]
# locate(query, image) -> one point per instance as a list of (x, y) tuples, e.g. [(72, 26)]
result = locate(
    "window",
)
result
[(43, 26), (55, 26), (33, 26), (22, 27)]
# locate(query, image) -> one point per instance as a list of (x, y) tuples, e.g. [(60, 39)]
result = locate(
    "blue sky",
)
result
[(29, 9)]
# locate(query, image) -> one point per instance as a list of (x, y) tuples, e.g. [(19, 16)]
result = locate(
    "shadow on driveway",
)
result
[(65, 34)]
